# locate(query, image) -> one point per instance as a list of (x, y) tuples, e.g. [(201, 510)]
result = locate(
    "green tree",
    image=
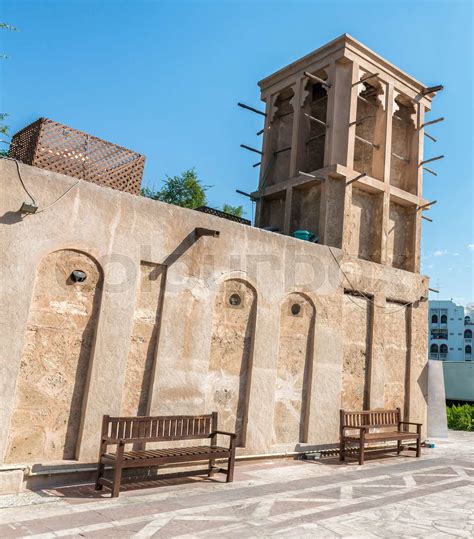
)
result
[(238, 211), (185, 190)]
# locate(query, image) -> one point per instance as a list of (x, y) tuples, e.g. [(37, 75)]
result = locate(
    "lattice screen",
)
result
[(56, 147)]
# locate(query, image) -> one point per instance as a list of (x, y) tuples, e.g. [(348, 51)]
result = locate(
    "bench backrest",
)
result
[(371, 418), (159, 428)]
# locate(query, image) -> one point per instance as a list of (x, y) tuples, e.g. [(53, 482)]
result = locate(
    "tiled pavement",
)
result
[(391, 497)]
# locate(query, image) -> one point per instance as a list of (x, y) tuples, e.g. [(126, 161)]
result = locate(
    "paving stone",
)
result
[(402, 496)]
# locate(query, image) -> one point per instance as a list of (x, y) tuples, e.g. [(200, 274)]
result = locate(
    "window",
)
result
[(434, 349), (468, 350), (468, 334), (434, 319), (443, 349), (444, 319)]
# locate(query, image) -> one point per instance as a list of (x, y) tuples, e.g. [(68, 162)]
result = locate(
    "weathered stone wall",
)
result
[(396, 356), (152, 329), (356, 335), (231, 355), (55, 362), (293, 377), (144, 339)]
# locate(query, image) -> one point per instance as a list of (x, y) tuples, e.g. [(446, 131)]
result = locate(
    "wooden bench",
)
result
[(364, 421), (122, 431)]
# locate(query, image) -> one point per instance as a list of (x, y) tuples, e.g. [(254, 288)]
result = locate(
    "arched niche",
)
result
[(55, 363), (231, 355), (294, 369)]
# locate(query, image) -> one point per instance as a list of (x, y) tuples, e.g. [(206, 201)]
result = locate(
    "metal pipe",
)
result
[(256, 164), (260, 132), (376, 146), (301, 173), (245, 194), (366, 78), (317, 79), (357, 178), (244, 106), (430, 171), (368, 102), (430, 137), (316, 120), (426, 218), (282, 150), (315, 137), (422, 126), (426, 205), (433, 290), (431, 159), (251, 149), (357, 122), (400, 157), (432, 89)]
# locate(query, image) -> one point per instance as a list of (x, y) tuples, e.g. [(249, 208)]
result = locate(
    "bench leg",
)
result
[(118, 471), (230, 464), (418, 446), (100, 465), (100, 473), (211, 465), (361, 448), (342, 451), (399, 447)]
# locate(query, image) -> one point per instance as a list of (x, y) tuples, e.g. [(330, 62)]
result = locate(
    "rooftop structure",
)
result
[(343, 153), (59, 148)]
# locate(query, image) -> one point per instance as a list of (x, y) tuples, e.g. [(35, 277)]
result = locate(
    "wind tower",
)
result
[(342, 153)]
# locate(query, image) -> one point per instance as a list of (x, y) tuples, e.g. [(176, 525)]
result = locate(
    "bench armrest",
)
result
[(410, 423), (109, 440), (223, 432)]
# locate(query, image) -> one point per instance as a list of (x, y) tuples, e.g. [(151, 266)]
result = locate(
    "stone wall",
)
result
[(255, 325)]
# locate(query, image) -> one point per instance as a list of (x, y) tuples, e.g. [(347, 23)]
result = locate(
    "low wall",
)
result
[(459, 380), (263, 328)]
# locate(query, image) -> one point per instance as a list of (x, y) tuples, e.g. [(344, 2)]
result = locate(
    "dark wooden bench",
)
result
[(360, 423), (122, 431)]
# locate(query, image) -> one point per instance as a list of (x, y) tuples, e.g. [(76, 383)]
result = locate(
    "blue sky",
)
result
[(164, 77)]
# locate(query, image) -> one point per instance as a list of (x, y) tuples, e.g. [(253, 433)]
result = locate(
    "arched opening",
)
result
[(468, 350), (56, 359), (231, 355), (444, 319), (293, 381), (468, 334), (434, 349), (434, 319), (443, 349)]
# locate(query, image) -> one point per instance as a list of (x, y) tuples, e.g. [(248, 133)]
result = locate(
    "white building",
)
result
[(450, 332)]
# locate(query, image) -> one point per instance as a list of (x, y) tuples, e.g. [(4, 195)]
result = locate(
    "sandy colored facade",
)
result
[(264, 328)]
